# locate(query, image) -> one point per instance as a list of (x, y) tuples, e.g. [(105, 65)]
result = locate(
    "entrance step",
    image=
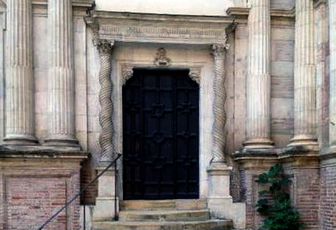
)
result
[(164, 215), (178, 225), (163, 204)]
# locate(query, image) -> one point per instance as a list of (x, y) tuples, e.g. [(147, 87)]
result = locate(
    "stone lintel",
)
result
[(161, 28)]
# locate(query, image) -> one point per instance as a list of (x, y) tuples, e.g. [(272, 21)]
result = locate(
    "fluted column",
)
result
[(19, 74), (304, 76), (106, 105), (258, 79), (61, 130), (332, 72), (219, 137)]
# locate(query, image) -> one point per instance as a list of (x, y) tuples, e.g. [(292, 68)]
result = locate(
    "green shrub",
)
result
[(275, 204)]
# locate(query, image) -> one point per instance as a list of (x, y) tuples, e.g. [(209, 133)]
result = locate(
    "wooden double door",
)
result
[(160, 135)]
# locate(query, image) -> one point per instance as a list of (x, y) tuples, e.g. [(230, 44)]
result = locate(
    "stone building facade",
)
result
[(256, 79)]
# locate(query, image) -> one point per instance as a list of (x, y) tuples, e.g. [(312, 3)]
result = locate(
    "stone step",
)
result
[(165, 215), (178, 225), (163, 204)]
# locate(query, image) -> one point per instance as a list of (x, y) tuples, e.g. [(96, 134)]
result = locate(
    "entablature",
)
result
[(158, 28)]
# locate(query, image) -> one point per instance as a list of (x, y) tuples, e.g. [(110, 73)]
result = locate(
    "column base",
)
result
[(219, 186), (303, 140), (104, 209), (106, 200), (66, 142), (20, 140), (258, 143), (220, 201)]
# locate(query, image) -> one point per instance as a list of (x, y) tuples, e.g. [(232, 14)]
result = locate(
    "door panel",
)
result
[(160, 135)]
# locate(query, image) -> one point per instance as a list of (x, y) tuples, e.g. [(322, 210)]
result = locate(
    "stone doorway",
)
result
[(160, 135)]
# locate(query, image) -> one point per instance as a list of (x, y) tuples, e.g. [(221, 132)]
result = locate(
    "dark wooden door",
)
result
[(160, 135)]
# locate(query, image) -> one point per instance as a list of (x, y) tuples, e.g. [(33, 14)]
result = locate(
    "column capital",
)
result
[(219, 49), (104, 46)]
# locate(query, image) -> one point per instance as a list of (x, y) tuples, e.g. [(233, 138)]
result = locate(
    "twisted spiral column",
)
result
[(219, 136), (106, 105), (19, 76)]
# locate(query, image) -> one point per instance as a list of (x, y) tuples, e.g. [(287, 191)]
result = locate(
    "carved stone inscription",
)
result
[(187, 33)]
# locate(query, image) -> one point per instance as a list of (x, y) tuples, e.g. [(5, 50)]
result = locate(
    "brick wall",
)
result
[(33, 190), (305, 194), (304, 189), (87, 174), (328, 195)]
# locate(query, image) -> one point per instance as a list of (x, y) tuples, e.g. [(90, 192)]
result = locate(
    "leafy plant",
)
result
[(275, 204)]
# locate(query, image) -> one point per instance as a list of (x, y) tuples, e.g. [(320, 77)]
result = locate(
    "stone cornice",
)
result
[(77, 3), (157, 28), (241, 13), (80, 7)]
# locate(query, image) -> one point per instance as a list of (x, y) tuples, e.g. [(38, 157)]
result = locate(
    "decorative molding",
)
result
[(106, 104), (143, 28), (104, 46), (161, 58), (243, 12), (195, 74), (218, 50), (127, 70), (126, 73), (220, 118)]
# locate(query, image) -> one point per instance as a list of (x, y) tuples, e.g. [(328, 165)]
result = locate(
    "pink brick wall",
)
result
[(328, 197), (304, 190), (31, 195)]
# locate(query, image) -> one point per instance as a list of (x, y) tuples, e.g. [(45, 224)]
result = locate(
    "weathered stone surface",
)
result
[(61, 81), (304, 75), (258, 77), (19, 75), (187, 39)]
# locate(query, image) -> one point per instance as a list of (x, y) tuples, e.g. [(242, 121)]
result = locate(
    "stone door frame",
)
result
[(115, 28), (126, 72)]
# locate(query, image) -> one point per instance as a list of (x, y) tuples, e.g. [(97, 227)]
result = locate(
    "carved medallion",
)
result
[(161, 58)]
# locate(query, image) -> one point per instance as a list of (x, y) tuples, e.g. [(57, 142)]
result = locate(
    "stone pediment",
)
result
[(174, 29)]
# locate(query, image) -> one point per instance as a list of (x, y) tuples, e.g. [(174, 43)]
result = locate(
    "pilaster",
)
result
[(332, 72), (61, 130), (19, 77), (258, 79), (304, 76)]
